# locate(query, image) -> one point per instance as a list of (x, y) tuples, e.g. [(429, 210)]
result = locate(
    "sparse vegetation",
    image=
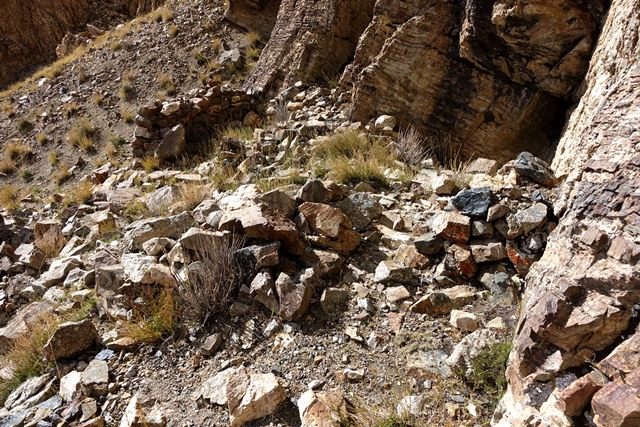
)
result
[(70, 109), (18, 151), (53, 158), (253, 52), (115, 45), (200, 57), (156, 318), (82, 135), (411, 147), (216, 44), (239, 132), (80, 193), (41, 138), (7, 109), (488, 370), (136, 210), (25, 354), (26, 175)]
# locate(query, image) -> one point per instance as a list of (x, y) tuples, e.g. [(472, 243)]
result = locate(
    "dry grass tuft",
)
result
[(82, 135), (211, 281), (216, 44), (190, 196), (162, 14), (10, 197), (127, 116), (254, 38), (18, 151), (80, 193), (7, 109), (352, 157), (173, 31), (127, 90), (150, 163), (63, 173), (241, 132), (7, 166), (98, 98), (165, 82), (41, 138), (156, 318)]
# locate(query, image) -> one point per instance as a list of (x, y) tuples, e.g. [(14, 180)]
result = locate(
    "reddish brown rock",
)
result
[(617, 404), (332, 225), (452, 226)]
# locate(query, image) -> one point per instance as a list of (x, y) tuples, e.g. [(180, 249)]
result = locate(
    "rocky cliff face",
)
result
[(311, 40), (489, 76), (492, 77), (577, 341), (32, 30)]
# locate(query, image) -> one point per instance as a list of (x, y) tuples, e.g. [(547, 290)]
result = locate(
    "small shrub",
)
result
[(411, 147), (25, 354), (41, 139), (173, 30), (488, 370), (212, 279), (283, 114), (165, 82)]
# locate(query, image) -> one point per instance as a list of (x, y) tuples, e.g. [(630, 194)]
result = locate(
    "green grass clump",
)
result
[(488, 373)]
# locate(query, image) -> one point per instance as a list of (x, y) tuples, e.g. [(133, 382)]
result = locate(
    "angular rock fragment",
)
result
[(70, 340), (252, 396), (452, 226), (473, 202), (535, 169)]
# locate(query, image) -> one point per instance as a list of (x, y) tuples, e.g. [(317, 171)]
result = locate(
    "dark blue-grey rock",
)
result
[(429, 244), (537, 170), (473, 202)]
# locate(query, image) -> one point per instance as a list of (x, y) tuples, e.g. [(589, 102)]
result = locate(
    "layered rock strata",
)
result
[(576, 349), (244, 12), (489, 77), (311, 40)]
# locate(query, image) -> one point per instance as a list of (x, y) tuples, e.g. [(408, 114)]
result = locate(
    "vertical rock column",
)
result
[(580, 306)]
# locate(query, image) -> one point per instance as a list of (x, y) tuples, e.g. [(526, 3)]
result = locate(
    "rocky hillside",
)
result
[(323, 213)]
